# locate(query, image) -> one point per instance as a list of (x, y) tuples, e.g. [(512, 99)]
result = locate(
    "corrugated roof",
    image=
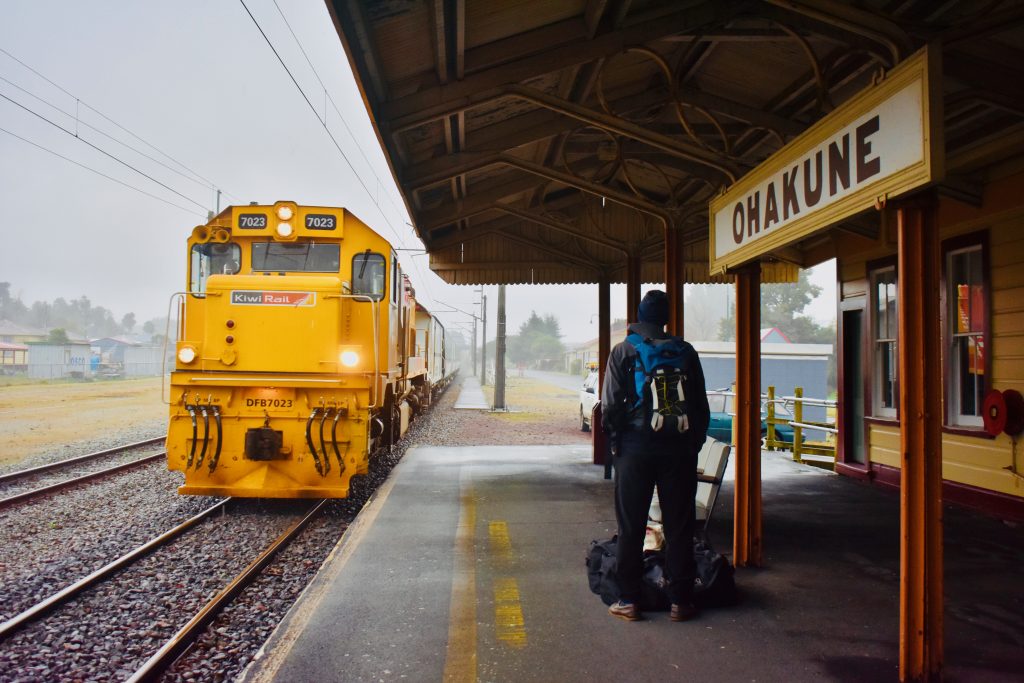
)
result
[(543, 140)]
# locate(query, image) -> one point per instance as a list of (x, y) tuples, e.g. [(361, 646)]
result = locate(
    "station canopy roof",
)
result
[(543, 141)]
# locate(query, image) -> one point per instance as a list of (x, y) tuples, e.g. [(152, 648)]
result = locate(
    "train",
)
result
[(301, 350)]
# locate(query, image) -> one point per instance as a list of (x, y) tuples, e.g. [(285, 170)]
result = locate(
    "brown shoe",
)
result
[(683, 611), (625, 610)]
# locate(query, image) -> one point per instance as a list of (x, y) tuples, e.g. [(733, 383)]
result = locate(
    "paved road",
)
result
[(571, 383)]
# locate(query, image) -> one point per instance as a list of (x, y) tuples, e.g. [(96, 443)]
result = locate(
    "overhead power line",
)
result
[(99, 173), (102, 151), (78, 101), (323, 123), (327, 94), (108, 136)]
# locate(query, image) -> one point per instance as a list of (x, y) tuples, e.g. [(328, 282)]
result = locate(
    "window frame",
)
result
[(311, 245), (197, 282), (394, 279), (953, 421), (875, 410), (377, 298)]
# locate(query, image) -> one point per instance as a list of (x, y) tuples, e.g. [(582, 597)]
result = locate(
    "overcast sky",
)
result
[(196, 80)]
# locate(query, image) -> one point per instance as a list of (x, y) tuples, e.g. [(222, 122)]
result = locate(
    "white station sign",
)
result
[(879, 144)]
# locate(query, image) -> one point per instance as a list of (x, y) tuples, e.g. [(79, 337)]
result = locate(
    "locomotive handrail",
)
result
[(376, 340), (167, 338)]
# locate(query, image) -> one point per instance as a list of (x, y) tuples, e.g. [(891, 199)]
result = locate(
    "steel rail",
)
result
[(42, 608), (11, 500), (183, 639), (10, 476)]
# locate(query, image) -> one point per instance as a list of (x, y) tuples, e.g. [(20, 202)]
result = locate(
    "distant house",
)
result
[(54, 361), (112, 349), (582, 356), (126, 357), (13, 333), (773, 335), (13, 358)]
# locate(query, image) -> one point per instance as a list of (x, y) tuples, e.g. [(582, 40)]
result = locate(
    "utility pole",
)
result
[(483, 339), (499, 354), (472, 346)]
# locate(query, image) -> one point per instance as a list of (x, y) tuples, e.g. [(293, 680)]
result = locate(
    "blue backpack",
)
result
[(660, 374)]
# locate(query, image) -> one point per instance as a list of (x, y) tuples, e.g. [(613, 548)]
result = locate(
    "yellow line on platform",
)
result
[(460, 659), (509, 625), (508, 614)]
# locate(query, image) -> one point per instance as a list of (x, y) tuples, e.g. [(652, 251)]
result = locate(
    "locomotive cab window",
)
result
[(212, 258), (368, 275), (297, 257)]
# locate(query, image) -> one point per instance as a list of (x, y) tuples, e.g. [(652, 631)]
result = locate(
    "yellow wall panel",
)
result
[(1005, 324), (884, 445), (1009, 300), (1009, 371), (1006, 277)]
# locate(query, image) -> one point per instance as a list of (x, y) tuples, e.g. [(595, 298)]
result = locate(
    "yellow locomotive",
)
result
[(301, 349)]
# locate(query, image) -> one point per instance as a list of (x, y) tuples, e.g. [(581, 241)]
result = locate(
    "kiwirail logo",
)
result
[(247, 298)]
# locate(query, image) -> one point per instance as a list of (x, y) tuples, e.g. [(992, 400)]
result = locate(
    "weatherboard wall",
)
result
[(972, 460)]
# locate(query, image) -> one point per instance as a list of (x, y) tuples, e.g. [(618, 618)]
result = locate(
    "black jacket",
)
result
[(618, 394)]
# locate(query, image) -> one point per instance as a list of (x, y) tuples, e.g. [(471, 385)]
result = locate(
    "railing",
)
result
[(822, 452), (825, 448)]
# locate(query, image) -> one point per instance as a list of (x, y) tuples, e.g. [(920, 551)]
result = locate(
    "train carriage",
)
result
[(297, 353)]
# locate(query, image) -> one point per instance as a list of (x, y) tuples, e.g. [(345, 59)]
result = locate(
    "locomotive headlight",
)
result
[(349, 358), (285, 213), (186, 354), (284, 229)]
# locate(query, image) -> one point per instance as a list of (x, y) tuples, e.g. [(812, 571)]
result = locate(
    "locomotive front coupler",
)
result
[(339, 412), (309, 442), (220, 434), (195, 427), (206, 432), (323, 442)]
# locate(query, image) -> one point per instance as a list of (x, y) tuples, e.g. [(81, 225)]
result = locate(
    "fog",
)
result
[(199, 84)]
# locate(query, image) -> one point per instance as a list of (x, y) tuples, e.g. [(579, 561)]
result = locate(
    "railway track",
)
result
[(190, 632), (21, 478), (162, 657)]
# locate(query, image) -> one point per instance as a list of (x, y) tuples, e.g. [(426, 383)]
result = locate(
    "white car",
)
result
[(590, 394)]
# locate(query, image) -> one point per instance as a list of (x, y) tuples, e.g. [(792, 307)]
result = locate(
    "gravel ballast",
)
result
[(105, 636)]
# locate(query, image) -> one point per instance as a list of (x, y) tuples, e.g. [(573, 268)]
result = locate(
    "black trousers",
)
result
[(642, 464)]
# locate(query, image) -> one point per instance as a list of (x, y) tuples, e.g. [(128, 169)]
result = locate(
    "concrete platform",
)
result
[(469, 565), (471, 395)]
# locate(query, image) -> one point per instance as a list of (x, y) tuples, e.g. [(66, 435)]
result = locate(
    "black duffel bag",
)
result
[(714, 586)]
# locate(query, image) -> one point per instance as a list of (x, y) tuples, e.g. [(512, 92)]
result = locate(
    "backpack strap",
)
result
[(639, 372)]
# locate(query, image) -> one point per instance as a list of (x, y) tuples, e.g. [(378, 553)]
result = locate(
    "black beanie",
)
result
[(654, 308)]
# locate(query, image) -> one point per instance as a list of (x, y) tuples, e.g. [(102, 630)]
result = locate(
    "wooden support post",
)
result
[(633, 281), (604, 347), (674, 280), (747, 423), (604, 326), (921, 644)]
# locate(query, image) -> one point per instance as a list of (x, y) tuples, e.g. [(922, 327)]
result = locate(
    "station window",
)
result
[(966, 316), (368, 275), (884, 325), (212, 258)]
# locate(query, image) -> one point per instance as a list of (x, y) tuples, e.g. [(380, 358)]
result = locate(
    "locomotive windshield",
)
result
[(213, 258), (298, 257), (368, 275)]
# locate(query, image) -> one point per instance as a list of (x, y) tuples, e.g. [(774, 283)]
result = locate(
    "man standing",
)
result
[(655, 412)]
